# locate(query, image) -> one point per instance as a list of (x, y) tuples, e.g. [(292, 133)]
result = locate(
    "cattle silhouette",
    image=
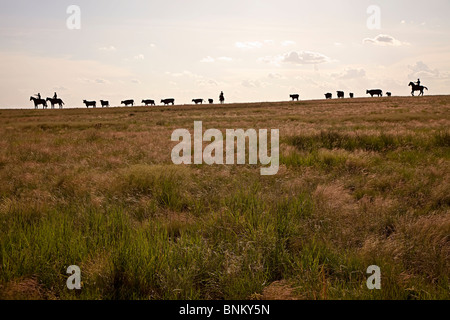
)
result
[(128, 102), (37, 102), (388, 94), (375, 92), (149, 102), (352, 95), (104, 103), (90, 104), (295, 97), (168, 101), (340, 94), (211, 101), (198, 101), (328, 95)]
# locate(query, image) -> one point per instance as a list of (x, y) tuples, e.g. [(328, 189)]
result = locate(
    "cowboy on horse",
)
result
[(38, 101), (417, 87)]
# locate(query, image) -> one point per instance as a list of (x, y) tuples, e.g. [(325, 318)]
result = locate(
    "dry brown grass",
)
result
[(381, 196)]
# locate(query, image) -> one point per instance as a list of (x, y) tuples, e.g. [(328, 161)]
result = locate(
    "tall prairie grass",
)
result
[(361, 182)]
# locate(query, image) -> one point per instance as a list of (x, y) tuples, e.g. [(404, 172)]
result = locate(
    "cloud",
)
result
[(207, 82), (225, 59), (288, 43), (59, 88), (93, 81), (209, 59), (350, 74), (108, 49), (185, 73), (249, 45), (421, 70), (136, 81), (384, 40), (139, 57), (305, 57), (275, 76), (250, 84), (298, 58)]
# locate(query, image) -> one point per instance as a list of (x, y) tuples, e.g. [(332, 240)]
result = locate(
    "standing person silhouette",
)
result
[(222, 98)]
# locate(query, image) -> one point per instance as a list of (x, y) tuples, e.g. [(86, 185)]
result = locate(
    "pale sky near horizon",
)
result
[(252, 50)]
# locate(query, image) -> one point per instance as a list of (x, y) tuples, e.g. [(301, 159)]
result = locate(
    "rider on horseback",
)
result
[(38, 96), (55, 96), (418, 82)]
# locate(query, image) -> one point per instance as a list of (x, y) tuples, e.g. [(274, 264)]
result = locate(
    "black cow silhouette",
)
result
[(388, 94), (128, 102), (416, 87), (328, 96), (352, 95), (149, 102), (90, 104), (197, 101), (340, 94), (375, 92), (54, 101), (38, 102), (211, 101), (295, 97), (168, 101), (104, 103)]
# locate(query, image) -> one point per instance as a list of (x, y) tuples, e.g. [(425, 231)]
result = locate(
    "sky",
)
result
[(254, 51)]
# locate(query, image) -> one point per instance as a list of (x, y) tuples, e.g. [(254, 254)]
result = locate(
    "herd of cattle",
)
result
[(341, 94), (146, 102), (171, 101)]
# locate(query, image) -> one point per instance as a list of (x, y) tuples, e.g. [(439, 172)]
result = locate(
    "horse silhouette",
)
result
[(416, 87), (38, 102), (54, 101)]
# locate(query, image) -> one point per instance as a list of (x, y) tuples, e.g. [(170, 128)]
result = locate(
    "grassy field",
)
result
[(362, 182)]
